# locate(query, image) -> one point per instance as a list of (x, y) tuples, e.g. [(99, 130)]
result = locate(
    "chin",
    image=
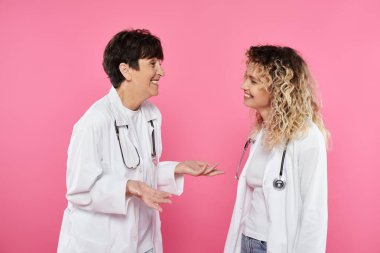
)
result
[(153, 94), (248, 104)]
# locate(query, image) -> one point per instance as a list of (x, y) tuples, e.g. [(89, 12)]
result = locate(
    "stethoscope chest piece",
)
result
[(279, 184)]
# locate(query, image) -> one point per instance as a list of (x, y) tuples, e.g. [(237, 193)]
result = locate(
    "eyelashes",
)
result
[(154, 63), (245, 77)]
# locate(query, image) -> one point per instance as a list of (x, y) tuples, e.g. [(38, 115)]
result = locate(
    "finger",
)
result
[(162, 197), (215, 165), (157, 207), (162, 194), (202, 171), (215, 172), (210, 169), (163, 201), (154, 205)]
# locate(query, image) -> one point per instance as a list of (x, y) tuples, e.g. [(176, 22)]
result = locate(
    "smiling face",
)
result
[(256, 95), (145, 81)]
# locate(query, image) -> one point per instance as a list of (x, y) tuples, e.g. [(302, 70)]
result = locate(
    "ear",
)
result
[(125, 70)]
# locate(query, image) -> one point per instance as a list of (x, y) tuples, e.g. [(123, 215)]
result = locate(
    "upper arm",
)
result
[(313, 169)]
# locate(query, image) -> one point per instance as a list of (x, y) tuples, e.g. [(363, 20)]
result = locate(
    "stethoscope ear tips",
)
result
[(279, 184)]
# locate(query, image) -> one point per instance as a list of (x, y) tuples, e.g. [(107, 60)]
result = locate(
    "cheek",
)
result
[(266, 97), (253, 91), (263, 96)]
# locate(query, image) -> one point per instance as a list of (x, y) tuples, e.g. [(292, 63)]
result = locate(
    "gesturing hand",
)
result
[(197, 168), (151, 197)]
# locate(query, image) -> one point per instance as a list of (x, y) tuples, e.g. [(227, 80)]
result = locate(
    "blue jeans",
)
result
[(251, 245)]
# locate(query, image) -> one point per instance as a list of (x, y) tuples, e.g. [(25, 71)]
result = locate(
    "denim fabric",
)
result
[(251, 245)]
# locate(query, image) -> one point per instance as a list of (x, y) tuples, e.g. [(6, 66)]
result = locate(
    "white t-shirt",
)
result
[(257, 223), (142, 143)]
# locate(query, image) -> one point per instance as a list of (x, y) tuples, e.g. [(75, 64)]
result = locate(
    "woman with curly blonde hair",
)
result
[(281, 203)]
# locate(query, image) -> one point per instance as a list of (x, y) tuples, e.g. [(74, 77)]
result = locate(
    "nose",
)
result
[(244, 85), (160, 70)]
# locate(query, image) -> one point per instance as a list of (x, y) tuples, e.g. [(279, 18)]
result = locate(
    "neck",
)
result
[(264, 113), (128, 97)]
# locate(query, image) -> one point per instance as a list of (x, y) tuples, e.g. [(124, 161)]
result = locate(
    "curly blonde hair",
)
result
[(292, 90)]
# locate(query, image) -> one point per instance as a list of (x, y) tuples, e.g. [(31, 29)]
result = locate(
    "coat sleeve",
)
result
[(167, 180), (90, 186), (312, 229)]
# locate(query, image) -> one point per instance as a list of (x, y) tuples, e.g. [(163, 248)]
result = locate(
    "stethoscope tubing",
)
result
[(153, 154), (278, 183)]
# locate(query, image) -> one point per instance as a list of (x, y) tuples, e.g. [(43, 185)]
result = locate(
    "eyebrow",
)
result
[(251, 77), (155, 60)]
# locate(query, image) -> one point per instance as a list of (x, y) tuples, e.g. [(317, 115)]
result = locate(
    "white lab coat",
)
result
[(99, 218), (303, 202)]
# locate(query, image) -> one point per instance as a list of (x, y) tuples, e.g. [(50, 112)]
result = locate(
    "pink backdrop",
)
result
[(50, 73)]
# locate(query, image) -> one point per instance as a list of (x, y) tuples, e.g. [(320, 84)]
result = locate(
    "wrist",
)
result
[(178, 170), (130, 188), (127, 188)]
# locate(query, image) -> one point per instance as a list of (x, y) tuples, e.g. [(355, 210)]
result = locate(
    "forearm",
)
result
[(106, 195), (170, 178), (312, 229)]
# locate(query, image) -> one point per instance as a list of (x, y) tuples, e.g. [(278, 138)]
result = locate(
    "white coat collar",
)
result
[(117, 107)]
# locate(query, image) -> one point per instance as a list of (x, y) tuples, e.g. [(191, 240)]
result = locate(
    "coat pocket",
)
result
[(89, 232), (80, 245)]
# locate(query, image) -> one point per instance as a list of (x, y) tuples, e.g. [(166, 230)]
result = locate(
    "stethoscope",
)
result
[(279, 183), (153, 154)]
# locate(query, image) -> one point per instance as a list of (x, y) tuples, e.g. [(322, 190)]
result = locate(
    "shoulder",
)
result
[(311, 138), (96, 117)]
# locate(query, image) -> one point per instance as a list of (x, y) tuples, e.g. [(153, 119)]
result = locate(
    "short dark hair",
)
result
[(267, 55), (128, 46)]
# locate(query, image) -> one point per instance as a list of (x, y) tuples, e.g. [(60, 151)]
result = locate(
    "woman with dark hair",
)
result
[(115, 181), (281, 203)]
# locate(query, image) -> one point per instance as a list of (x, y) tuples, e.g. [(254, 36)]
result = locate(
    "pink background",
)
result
[(50, 73)]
